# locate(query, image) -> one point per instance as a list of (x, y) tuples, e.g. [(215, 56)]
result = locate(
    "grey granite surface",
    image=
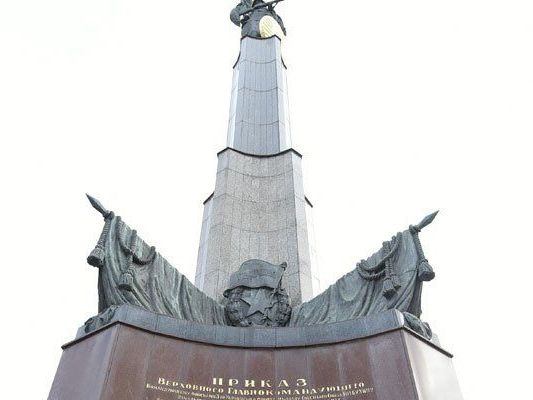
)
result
[(258, 211), (259, 112)]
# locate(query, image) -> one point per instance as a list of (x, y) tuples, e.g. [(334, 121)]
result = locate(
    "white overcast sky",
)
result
[(399, 108)]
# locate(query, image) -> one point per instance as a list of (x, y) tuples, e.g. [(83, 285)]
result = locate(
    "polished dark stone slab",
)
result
[(121, 361)]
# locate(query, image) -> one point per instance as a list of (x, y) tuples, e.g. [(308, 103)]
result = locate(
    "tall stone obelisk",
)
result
[(258, 209)]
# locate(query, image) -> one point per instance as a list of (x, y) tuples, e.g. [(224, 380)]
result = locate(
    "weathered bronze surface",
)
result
[(256, 297), (126, 363), (132, 272), (250, 15)]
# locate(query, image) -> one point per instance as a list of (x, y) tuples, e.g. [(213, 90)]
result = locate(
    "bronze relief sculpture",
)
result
[(132, 272), (256, 296)]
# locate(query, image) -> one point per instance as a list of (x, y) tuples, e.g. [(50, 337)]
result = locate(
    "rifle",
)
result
[(269, 4)]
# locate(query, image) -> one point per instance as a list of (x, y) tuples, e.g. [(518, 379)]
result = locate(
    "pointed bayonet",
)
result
[(426, 221), (425, 271), (98, 206), (97, 256)]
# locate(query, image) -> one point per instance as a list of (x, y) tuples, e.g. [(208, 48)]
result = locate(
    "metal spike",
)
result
[(428, 220), (98, 206)]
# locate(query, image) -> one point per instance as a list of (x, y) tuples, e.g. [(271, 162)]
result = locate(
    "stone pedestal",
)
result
[(144, 356)]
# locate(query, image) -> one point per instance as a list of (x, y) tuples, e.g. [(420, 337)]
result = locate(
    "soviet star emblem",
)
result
[(258, 300), (255, 296)]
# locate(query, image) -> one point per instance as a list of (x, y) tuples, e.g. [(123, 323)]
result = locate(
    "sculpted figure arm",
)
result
[(235, 14)]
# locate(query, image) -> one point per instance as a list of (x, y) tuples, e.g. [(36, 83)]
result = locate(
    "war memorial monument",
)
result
[(252, 326)]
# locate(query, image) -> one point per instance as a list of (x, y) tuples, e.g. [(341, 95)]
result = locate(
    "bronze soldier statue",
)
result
[(258, 19)]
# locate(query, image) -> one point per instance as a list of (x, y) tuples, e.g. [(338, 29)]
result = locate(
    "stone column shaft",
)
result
[(259, 209)]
